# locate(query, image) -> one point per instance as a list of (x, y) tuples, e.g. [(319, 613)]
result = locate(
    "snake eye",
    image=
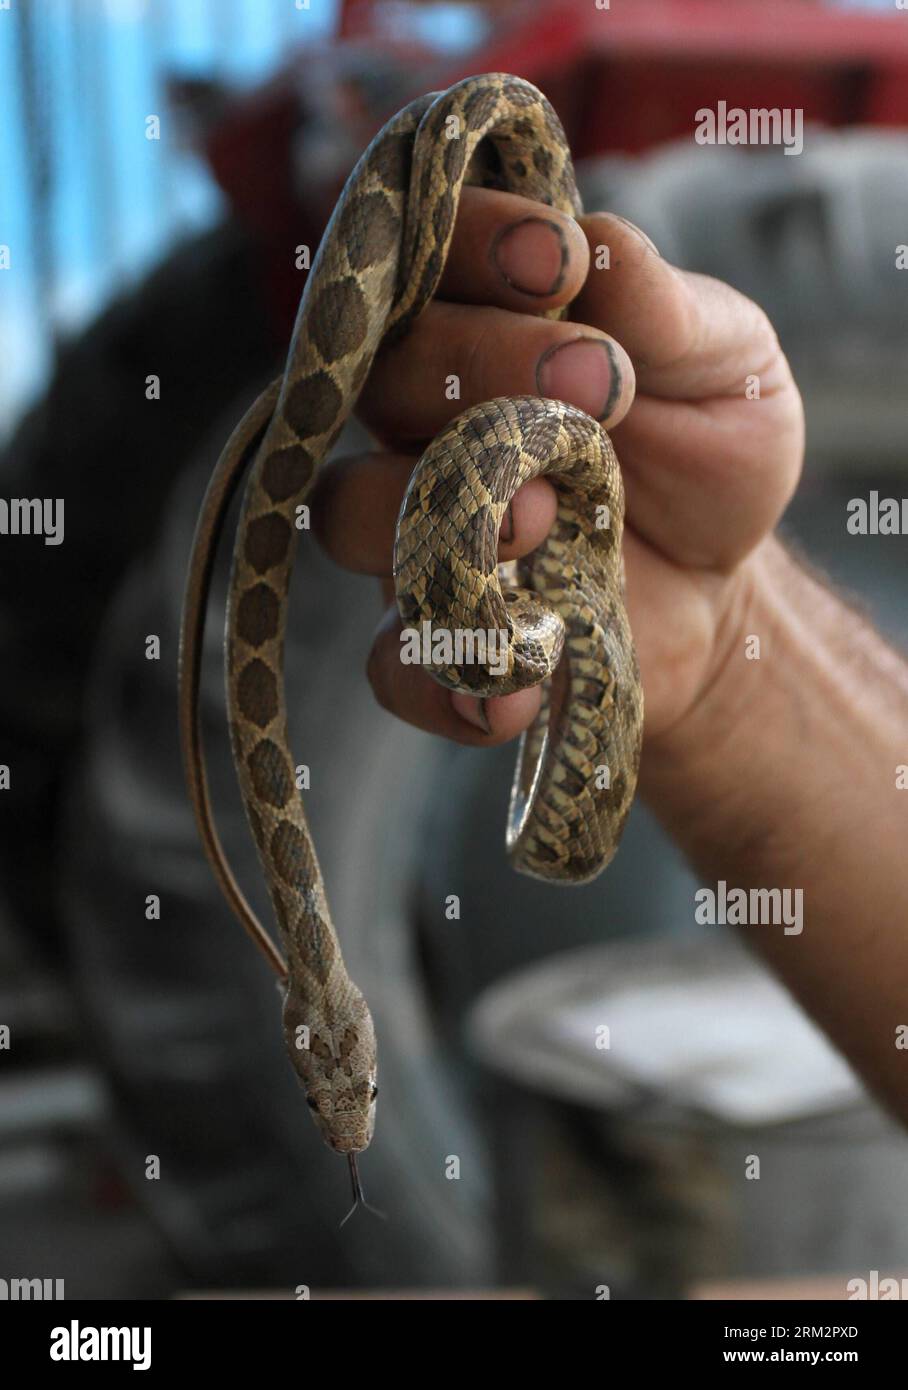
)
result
[(312, 1102), (374, 1092)]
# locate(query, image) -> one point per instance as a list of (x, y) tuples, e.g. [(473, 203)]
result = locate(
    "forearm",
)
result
[(785, 776)]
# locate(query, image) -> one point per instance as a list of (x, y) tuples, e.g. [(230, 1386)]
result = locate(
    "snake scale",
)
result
[(377, 267)]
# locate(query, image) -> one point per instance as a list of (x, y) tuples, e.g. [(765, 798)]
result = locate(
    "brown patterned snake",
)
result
[(378, 265)]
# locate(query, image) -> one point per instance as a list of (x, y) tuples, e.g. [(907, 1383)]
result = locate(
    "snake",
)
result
[(560, 613)]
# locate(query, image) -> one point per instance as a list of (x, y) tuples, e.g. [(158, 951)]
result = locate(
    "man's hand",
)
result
[(787, 771), (671, 363)]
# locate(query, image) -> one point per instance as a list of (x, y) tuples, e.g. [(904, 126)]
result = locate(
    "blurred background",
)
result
[(576, 1167)]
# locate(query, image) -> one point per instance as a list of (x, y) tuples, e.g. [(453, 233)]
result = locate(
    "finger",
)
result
[(702, 485), (690, 337), (356, 503), (410, 693), (514, 253), (698, 347), (475, 354)]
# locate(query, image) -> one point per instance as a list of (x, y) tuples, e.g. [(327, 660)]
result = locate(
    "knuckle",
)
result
[(373, 672), (377, 676), (474, 352), (765, 337)]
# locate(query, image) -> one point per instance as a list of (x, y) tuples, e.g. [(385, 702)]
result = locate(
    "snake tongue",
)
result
[(359, 1199)]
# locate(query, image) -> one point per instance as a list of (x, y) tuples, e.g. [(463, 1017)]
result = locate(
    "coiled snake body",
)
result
[(378, 265)]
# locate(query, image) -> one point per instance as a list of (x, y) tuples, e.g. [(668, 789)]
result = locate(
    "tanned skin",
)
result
[(777, 772)]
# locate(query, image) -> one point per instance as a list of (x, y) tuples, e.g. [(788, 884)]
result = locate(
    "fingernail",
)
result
[(641, 234), (531, 255), (584, 372), (472, 710), (506, 529)]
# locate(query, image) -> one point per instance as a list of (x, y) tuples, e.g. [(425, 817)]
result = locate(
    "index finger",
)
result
[(513, 253)]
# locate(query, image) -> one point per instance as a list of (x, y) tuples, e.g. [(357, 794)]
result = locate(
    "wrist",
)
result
[(748, 609), (719, 765)]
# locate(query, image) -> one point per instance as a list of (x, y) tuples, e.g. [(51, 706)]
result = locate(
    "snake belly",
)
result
[(378, 265), (566, 626)]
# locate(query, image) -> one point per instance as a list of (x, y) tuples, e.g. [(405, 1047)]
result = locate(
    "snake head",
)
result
[(336, 1065)]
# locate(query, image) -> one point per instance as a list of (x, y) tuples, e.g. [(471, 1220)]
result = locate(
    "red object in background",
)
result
[(633, 76), (622, 79)]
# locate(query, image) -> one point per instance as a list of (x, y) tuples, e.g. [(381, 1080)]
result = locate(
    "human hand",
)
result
[(662, 358)]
